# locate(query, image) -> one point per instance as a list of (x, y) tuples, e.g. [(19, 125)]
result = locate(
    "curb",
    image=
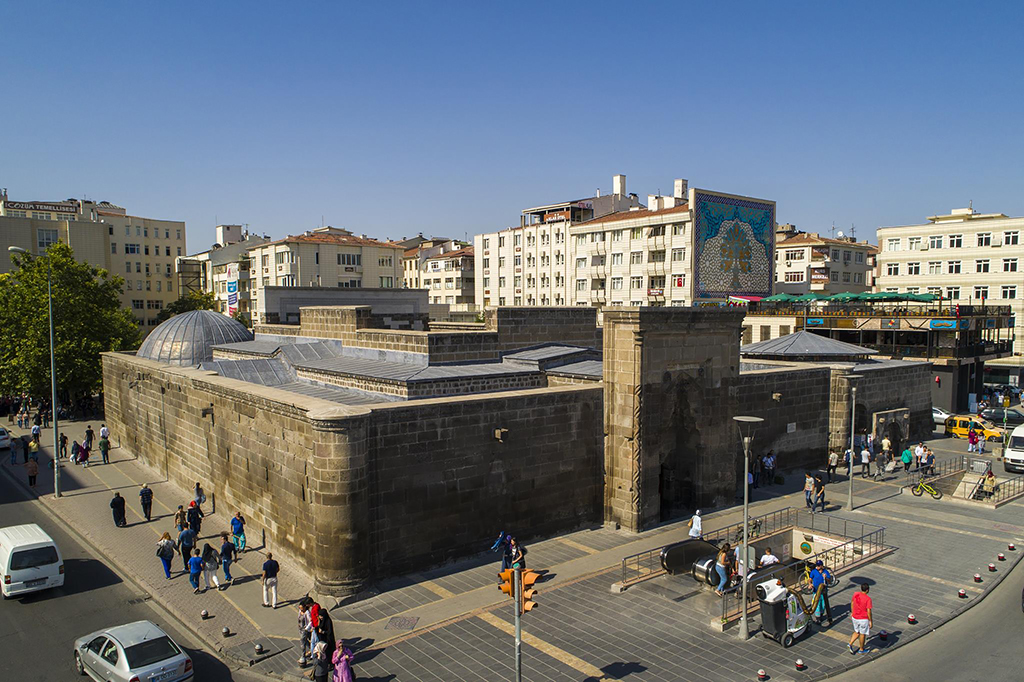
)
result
[(213, 645)]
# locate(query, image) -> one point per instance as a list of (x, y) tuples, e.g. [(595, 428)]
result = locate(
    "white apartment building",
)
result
[(809, 263), (623, 255), (449, 277), (141, 250), (965, 256), (223, 270)]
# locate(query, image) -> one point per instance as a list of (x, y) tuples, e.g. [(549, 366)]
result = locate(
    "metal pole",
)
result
[(53, 383), (744, 634), (853, 448), (518, 589)]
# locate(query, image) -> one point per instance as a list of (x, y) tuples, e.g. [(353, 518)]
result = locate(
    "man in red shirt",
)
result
[(860, 614)]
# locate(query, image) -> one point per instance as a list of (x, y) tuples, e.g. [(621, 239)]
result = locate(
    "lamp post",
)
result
[(853, 431), (746, 426), (53, 371)]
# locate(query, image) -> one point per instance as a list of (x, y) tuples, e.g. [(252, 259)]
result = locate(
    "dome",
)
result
[(188, 339)]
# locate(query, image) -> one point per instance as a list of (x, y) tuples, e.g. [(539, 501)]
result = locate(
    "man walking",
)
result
[(104, 431), (809, 490), (832, 464), (227, 554), (195, 517), (187, 543), (63, 453), (117, 506), (860, 614), (105, 449), (31, 470), (769, 468), (145, 497), (238, 533), (819, 493), (881, 459), (269, 578), (194, 566), (865, 462), (89, 433), (907, 457), (918, 456), (819, 578)]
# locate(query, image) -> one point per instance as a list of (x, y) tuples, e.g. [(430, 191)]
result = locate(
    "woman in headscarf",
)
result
[(321, 662), (343, 664), (325, 633)]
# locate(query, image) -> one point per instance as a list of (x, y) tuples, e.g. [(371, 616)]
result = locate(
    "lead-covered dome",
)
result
[(188, 339)]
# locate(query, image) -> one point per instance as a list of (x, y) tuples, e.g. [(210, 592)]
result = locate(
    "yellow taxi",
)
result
[(959, 425)]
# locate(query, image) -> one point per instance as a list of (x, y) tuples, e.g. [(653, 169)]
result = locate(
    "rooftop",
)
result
[(634, 214), (330, 238), (813, 238), (804, 345)]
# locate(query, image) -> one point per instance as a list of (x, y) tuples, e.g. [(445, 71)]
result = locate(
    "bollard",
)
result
[(762, 675), (258, 648), (912, 619), (1012, 547), (991, 567), (225, 631), (800, 664), (1002, 557), (977, 578), (884, 636), (962, 594), (204, 614)]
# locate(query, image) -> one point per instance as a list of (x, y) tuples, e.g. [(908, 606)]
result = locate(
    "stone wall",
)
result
[(427, 388), (443, 486), (521, 327), (888, 386), (572, 380)]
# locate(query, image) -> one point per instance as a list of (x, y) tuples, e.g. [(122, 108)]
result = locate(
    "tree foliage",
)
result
[(193, 300), (242, 317), (88, 320)]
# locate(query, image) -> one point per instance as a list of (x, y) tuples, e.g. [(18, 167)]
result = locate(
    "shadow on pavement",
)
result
[(618, 671), (207, 666), (80, 575)]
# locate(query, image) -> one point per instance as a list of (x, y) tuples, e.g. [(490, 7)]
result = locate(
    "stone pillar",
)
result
[(339, 495), (669, 437)]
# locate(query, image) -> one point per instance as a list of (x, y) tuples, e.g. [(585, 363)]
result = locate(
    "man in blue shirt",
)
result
[(195, 567), (820, 577), (238, 533), (186, 543), (270, 570), (146, 499)]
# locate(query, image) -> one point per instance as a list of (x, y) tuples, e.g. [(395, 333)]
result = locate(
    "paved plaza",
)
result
[(452, 623)]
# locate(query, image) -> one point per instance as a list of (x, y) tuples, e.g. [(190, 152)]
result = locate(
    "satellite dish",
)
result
[(840, 234)]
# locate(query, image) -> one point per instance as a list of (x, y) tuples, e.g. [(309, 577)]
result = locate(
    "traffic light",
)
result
[(507, 582), (528, 593)]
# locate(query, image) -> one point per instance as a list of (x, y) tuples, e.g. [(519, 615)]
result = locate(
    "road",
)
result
[(37, 632)]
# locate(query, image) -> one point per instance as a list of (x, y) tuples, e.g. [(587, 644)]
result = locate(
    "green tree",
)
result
[(88, 320), (193, 300), (239, 316)]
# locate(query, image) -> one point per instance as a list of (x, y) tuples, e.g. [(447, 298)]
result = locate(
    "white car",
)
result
[(135, 652), (5, 439), (939, 416)]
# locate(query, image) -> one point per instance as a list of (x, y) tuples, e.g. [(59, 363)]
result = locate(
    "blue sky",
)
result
[(395, 118)]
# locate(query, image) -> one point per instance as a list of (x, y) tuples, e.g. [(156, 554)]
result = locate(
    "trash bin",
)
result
[(771, 595)]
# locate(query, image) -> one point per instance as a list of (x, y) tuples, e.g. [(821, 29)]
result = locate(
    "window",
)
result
[(657, 257), (581, 239), (131, 248), (953, 293), (636, 257), (892, 290), (387, 282), (678, 255), (16, 214), (935, 241), (636, 282), (487, 263), (678, 230), (501, 242), (517, 281), (846, 256), (487, 243), (145, 232), (167, 234), (146, 249), (559, 237), (581, 263), (179, 250), (657, 231), (934, 267), (981, 265), (167, 251), (984, 239), (892, 269), (137, 303), (636, 233), (384, 262), (501, 261), (913, 268), (350, 259), (860, 257), (794, 276), (147, 285), (178, 234), (1011, 238), (1009, 265), (956, 241), (128, 267), (835, 254), (501, 300), (598, 260), (616, 259), (138, 266), (518, 260), (846, 277), (858, 278), (794, 254), (679, 281), (113, 247), (834, 276), (581, 285), (1009, 291), (170, 286), (147, 269), (531, 240), (981, 292), (656, 282), (501, 281), (953, 267), (935, 291), (517, 239), (914, 243), (616, 283), (892, 244), (44, 238), (40, 216), (617, 235), (597, 237)]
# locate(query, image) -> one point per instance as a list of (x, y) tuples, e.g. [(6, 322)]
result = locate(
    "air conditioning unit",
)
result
[(924, 247), (788, 263)]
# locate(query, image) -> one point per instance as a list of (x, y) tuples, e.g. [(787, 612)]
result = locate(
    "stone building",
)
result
[(368, 444)]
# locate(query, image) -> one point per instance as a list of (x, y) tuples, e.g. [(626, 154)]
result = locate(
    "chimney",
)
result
[(653, 202), (680, 189), (619, 185), (598, 195)]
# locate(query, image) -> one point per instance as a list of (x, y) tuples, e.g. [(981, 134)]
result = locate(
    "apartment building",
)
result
[(449, 277), (964, 256), (223, 270), (612, 251), (325, 257), (809, 263), (141, 250), (417, 249)]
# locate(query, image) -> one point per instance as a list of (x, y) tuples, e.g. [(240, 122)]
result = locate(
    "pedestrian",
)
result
[(89, 433), (146, 500), (227, 554), (104, 446), (929, 462), (31, 470), (696, 526), (269, 579), (769, 467), (321, 663), (325, 632), (15, 446), (518, 552), (833, 464), (848, 460), (314, 624), (342, 660), (238, 533), (32, 450), (165, 550), (819, 493), (36, 431), (918, 455), (211, 562), (767, 559), (907, 457), (117, 505), (981, 443), (809, 490), (104, 431), (304, 630), (75, 450), (887, 447), (972, 440), (881, 459), (721, 564), (195, 517), (819, 581), (180, 518), (195, 567), (860, 614), (865, 462), (755, 470), (199, 497), (63, 451), (186, 543)]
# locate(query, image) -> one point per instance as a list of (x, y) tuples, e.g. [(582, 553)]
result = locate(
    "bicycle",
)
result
[(921, 488)]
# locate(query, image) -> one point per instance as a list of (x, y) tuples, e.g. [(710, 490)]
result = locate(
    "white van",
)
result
[(1013, 458), (29, 560)]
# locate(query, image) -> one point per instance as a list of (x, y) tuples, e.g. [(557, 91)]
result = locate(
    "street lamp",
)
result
[(746, 426), (853, 449), (53, 371)]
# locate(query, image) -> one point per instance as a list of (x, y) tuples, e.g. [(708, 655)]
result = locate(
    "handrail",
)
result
[(1007, 489), (943, 468)]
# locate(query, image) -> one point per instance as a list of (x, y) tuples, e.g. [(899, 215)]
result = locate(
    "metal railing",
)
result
[(865, 309), (868, 542), (1007, 489), (946, 467)]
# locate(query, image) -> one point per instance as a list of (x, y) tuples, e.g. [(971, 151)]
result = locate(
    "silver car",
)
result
[(939, 415), (136, 652)]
